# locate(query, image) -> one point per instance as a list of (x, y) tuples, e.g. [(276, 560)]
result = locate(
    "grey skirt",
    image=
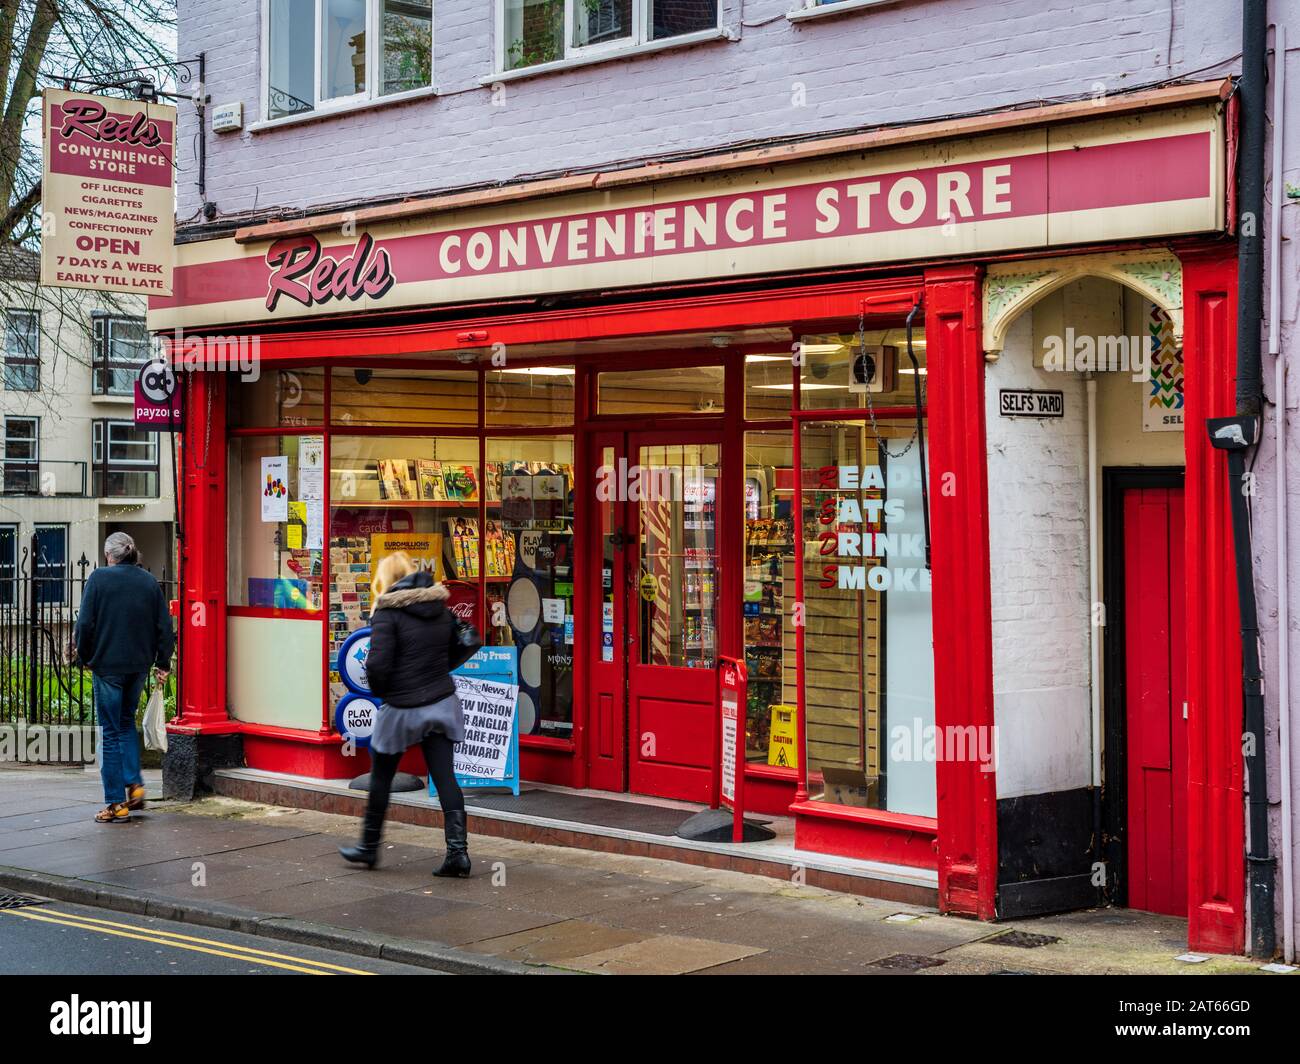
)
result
[(398, 728)]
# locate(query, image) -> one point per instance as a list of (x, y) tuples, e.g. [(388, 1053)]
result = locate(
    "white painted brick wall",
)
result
[(1038, 521), (903, 62)]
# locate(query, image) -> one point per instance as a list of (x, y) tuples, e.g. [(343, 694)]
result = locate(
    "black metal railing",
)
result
[(40, 680), (62, 479)]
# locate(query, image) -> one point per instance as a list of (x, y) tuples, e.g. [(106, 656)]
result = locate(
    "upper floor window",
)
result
[(121, 348), (125, 461), (21, 455), (22, 370), (531, 32), (323, 53)]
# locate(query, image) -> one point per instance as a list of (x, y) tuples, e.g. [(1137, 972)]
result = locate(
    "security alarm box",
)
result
[(227, 117), (872, 369)]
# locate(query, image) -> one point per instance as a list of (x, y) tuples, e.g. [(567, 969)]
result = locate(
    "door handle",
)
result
[(619, 539)]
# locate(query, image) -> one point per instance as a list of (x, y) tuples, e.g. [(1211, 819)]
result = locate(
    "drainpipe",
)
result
[(1250, 311), (1280, 485), (1094, 597)]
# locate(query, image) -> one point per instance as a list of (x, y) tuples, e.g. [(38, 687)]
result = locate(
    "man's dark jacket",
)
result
[(124, 626)]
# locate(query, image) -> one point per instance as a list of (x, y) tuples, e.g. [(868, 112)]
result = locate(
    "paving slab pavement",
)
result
[(527, 904)]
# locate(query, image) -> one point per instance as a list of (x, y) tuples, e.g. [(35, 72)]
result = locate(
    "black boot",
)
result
[(367, 851), (456, 863)]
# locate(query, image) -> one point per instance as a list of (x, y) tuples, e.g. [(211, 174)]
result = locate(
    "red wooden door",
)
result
[(674, 599), (609, 547), (1155, 663)]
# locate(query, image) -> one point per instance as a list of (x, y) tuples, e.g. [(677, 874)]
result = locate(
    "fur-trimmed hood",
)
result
[(416, 593)]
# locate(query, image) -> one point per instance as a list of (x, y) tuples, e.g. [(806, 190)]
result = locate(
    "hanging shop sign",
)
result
[(1028, 402), (157, 398), (108, 199), (1150, 175)]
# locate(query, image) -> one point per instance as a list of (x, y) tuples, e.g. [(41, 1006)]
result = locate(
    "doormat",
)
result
[(583, 809)]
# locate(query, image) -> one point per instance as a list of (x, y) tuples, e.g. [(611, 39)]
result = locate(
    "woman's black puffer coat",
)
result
[(412, 643)]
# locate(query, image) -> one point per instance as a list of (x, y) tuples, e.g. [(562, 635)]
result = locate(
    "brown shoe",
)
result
[(135, 796), (113, 813)]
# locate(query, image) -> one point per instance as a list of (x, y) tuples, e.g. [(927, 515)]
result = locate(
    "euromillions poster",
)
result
[(488, 686)]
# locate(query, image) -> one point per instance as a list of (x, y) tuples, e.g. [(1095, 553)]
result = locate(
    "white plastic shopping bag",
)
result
[(155, 722)]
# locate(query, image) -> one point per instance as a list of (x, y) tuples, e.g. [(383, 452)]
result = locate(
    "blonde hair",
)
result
[(391, 569)]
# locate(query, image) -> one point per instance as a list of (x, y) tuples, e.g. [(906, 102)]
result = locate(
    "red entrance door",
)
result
[(1155, 662), (653, 690)]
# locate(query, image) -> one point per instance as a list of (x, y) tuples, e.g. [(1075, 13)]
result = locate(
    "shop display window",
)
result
[(275, 560), (404, 398), (529, 547), (278, 398), (840, 371), (769, 382), (768, 593), (530, 396), (388, 494), (868, 667), (686, 390)]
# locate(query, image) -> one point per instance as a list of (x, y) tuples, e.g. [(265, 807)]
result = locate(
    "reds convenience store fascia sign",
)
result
[(108, 206), (1150, 175)]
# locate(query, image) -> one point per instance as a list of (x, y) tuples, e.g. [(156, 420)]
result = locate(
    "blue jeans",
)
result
[(116, 700)]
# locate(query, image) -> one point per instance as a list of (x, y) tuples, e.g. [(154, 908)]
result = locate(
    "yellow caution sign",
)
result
[(783, 739)]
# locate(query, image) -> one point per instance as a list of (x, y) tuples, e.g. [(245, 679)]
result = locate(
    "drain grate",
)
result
[(1023, 940), (19, 901), (908, 962)]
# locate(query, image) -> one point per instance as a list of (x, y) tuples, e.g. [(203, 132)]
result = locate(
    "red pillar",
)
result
[(202, 619), (1215, 811), (963, 639)]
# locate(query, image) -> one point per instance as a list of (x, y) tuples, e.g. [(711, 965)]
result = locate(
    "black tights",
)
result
[(438, 756)]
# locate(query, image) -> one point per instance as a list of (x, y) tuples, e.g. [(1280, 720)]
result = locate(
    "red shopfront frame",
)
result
[(962, 841)]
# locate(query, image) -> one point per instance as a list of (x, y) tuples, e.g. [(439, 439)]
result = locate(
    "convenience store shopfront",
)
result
[(640, 419)]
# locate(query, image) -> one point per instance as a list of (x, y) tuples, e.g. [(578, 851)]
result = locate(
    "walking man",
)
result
[(123, 630)]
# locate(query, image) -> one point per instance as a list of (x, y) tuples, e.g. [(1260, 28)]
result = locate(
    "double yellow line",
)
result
[(210, 946)]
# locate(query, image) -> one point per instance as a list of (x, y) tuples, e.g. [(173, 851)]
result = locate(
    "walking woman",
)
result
[(414, 646)]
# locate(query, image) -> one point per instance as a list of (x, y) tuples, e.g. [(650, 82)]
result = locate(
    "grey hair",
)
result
[(119, 548)]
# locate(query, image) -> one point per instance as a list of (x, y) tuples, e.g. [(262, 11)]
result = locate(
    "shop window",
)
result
[(529, 550), (8, 565), (22, 368), (51, 568), (532, 32), (404, 398), (853, 370), (367, 49), (685, 390), (868, 668), (678, 554), (121, 348), (124, 460), (277, 399), (414, 494), (530, 396), (769, 383), (276, 523), (769, 595)]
